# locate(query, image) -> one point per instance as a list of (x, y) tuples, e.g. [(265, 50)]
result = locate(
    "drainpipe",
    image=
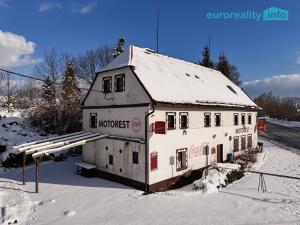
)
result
[(146, 149)]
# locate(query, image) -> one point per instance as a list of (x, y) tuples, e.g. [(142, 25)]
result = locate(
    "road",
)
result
[(289, 136)]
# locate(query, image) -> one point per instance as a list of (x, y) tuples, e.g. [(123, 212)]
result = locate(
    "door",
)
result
[(220, 153)]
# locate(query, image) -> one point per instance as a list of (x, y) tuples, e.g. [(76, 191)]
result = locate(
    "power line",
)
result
[(36, 78)]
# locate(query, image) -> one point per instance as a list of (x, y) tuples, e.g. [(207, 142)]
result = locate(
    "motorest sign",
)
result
[(134, 124)]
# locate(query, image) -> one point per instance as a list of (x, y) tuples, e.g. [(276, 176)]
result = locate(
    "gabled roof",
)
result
[(176, 81)]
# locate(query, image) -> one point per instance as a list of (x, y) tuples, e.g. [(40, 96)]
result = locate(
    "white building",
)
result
[(166, 118)]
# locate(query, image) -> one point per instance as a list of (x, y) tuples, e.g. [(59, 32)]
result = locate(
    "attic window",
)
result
[(106, 85), (187, 74), (231, 89), (197, 77), (120, 83)]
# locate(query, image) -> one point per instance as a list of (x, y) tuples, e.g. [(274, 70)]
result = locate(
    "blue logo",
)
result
[(269, 14), (275, 14)]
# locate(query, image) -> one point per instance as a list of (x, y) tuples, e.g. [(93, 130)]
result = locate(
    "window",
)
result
[(93, 120), (236, 144), (110, 159), (249, 119), (120, 83), (171, 120), (184, 123), (207, 120), (243, 142), (206, 150), (243, 119), (249, 141), (181, 159), (106, 84), (153, 163), (218, 119), (135, 157), (236, 119)]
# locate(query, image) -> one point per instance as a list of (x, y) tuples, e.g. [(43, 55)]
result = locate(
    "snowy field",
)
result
[(66, 198), (285, 122)]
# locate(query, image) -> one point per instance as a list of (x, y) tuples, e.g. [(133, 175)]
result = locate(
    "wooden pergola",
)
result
[(41, 148)]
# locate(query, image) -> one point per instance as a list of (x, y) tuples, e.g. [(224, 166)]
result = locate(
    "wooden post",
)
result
[(24, 165), (37, 162)]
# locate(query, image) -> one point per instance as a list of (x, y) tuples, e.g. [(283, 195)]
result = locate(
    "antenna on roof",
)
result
[(157, 30)]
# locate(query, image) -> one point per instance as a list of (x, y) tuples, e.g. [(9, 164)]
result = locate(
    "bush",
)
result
[(234, 175)]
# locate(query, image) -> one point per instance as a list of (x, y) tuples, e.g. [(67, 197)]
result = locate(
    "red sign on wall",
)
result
[(261, 125), (153, 163), (160, 127)]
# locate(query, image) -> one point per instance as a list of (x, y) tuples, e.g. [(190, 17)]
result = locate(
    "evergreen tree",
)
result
[(70, 99), (206, 60), (230, 71), (119, 48), (47, 91)]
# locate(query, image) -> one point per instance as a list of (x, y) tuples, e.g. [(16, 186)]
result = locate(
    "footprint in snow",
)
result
[(70, 213)]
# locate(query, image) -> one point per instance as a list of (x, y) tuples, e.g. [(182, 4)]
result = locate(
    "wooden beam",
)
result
[(37, 164), (24, 167)]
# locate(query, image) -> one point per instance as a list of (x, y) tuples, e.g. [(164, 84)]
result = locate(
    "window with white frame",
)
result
[(135, 157), (93, 120), (236, 144), (243, 119), (236, 119), (181, 159), (207, 119), (243, 142), (106, 85), (249, 141), (183, 120), (120, 83), (218, 119), (249, 118), (171, 120)]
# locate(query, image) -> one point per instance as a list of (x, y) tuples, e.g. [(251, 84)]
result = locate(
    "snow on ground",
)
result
[(15, 130), (285, 122), (66, 198)]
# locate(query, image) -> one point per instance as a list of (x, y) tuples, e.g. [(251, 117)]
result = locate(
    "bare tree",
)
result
[(8, 90), (92, 61), (50, 68)]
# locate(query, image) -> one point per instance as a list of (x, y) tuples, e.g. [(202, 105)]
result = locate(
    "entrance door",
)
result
[(220, 153)]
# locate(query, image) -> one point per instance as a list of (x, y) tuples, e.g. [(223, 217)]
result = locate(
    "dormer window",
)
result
[(120, 83), (106, 85)]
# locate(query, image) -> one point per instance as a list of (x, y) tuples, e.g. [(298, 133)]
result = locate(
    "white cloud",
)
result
[(49, 6), (282, 85), (84, 9), (15, 50)]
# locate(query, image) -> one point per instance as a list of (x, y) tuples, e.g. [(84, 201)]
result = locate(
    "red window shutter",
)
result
[(153, 161), (160, 127)]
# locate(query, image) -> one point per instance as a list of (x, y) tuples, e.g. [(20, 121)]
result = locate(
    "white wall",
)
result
[(98, 153), (196, 136), (118, 114), (133, 94)]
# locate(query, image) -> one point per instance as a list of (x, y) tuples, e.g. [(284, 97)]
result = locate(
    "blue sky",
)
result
[(259, 49)]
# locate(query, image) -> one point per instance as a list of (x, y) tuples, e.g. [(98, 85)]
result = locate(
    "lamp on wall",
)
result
[(226, 134), (214, 136)]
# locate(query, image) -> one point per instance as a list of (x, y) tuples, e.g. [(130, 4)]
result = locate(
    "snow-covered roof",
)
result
[(172, 80)]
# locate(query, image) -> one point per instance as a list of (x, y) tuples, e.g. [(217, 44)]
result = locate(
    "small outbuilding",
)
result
[(164, 118)]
